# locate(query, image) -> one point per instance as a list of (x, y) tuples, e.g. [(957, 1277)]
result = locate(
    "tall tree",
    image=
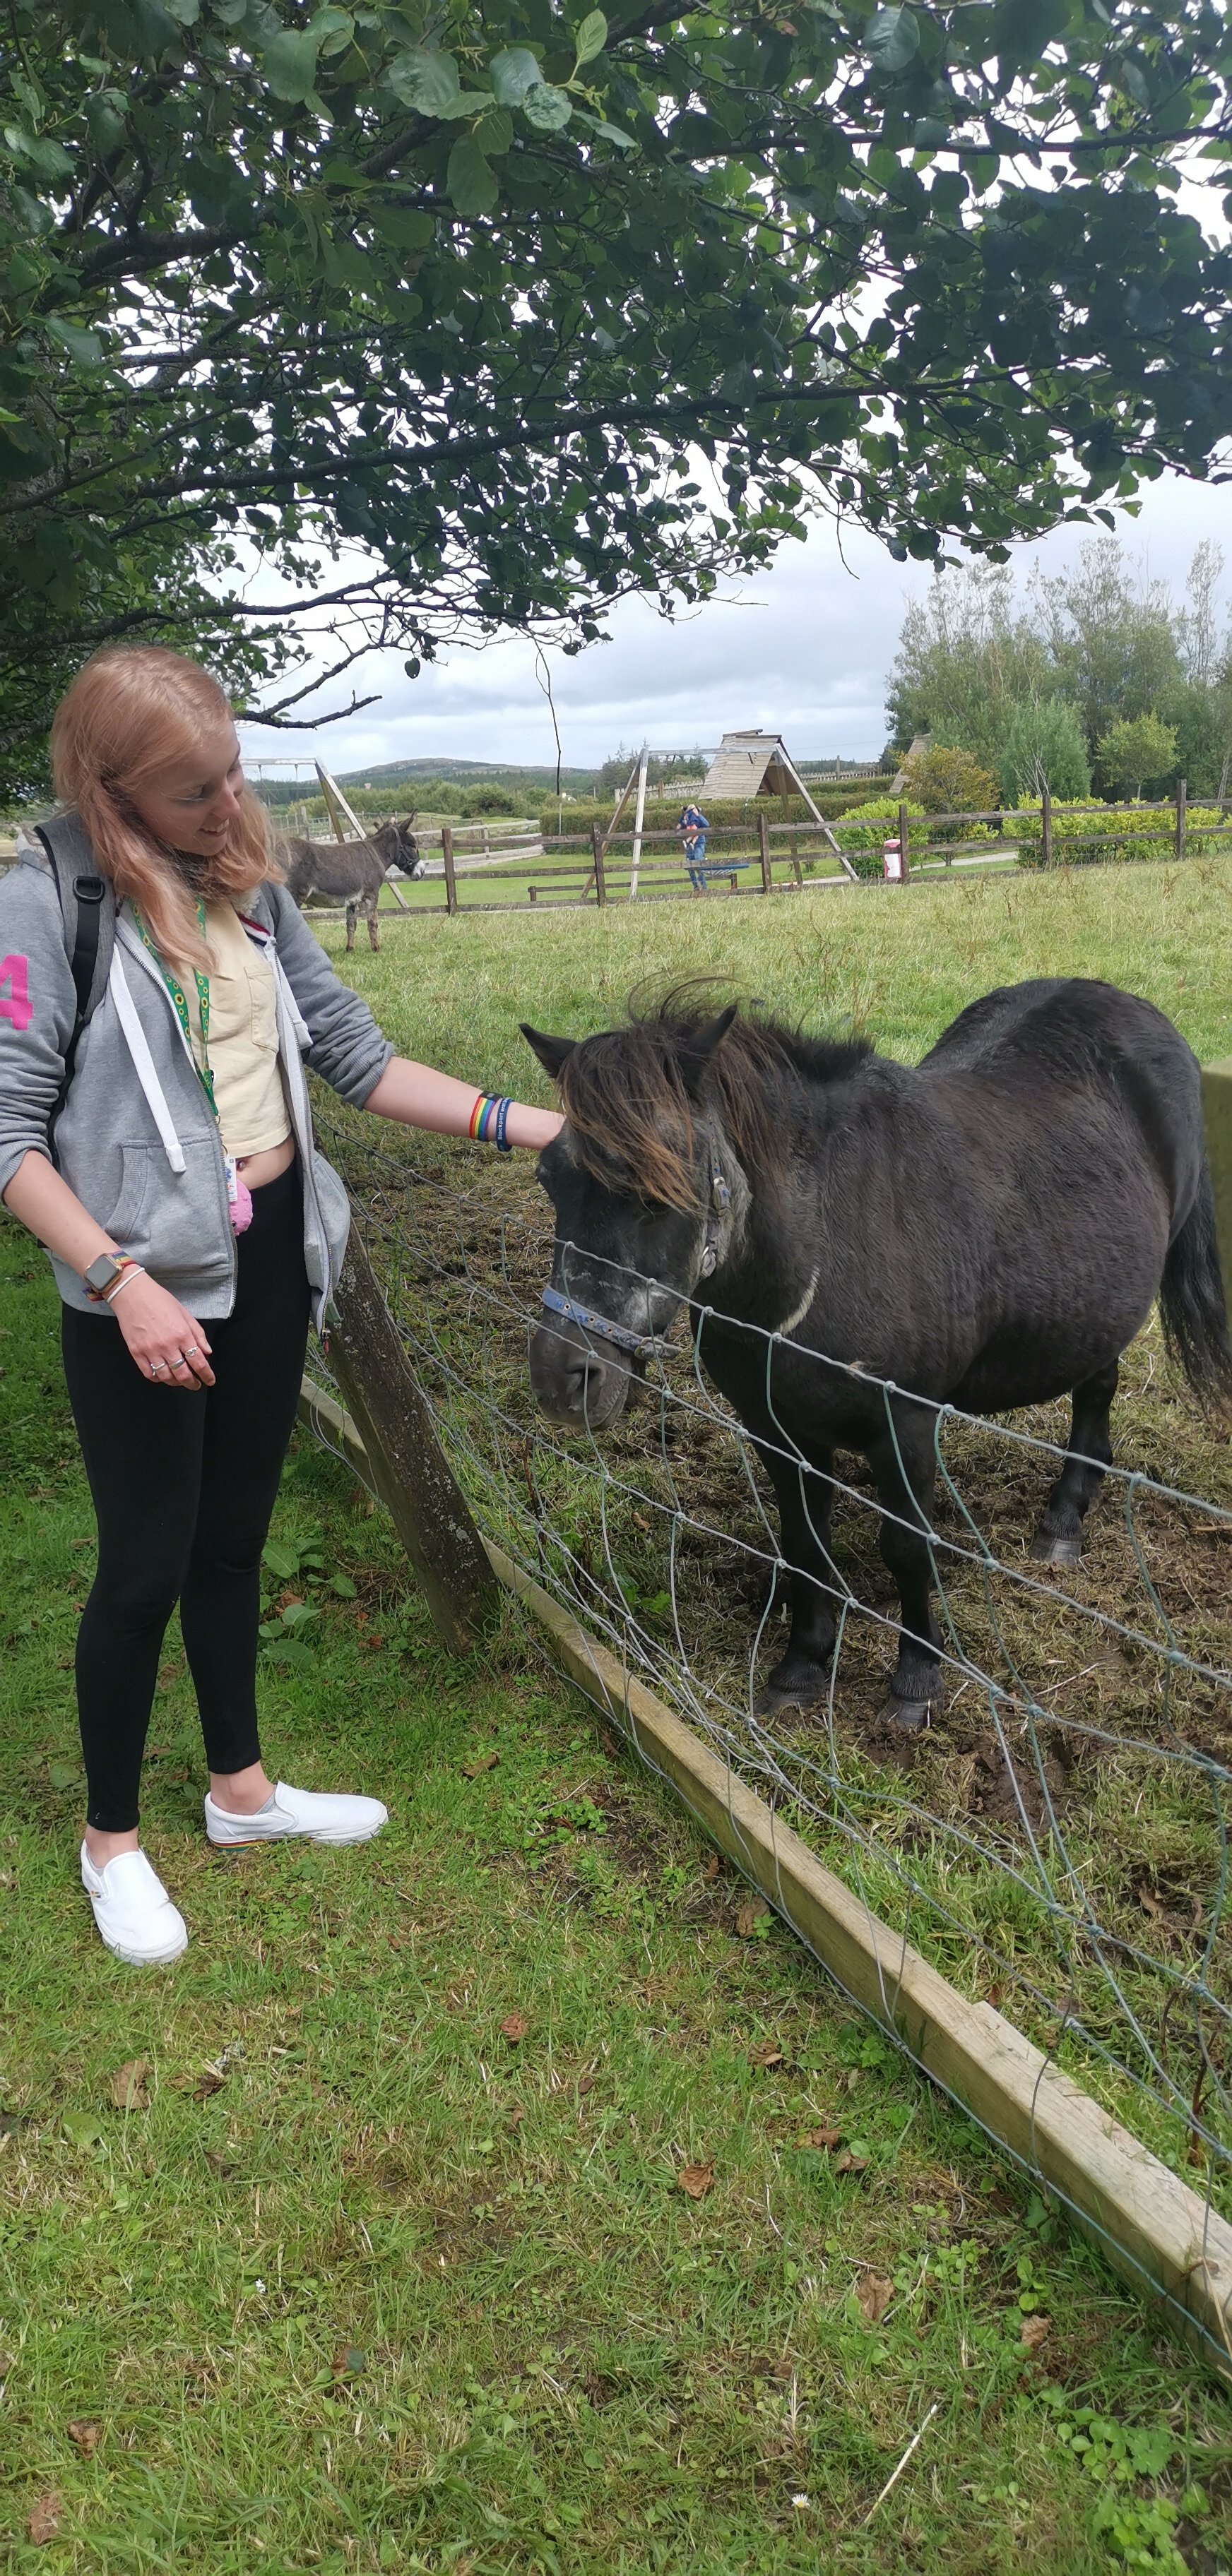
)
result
[(470, 290), (1114, 640), (967, 658)]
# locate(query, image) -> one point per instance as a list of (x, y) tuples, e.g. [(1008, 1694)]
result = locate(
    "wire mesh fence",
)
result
[(1056, 1842)]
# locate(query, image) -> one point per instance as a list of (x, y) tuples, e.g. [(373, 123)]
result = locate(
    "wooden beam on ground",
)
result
[(1217, 1121), (1152, 2228)]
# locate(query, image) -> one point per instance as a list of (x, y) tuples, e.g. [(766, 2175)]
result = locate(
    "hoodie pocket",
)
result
[(175, 1223), (135, 1175)]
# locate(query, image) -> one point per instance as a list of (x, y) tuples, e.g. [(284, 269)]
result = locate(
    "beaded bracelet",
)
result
[(489, 1120)]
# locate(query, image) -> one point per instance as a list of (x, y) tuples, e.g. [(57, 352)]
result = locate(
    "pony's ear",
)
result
[(696, 1052), (553, 1053)]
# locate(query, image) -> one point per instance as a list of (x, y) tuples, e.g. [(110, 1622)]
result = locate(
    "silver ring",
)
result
[(155, 1366), (191, 1352)]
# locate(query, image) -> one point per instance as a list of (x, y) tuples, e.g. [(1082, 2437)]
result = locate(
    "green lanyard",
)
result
[(203, 1071)]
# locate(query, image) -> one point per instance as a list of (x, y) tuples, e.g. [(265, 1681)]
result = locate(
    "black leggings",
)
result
[(184, 1484)]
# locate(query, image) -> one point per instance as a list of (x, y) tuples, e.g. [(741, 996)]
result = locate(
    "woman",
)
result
[(163, 1155)]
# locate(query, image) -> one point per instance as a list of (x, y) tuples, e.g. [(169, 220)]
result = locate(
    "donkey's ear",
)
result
[(553, 1053), (697, 1051)]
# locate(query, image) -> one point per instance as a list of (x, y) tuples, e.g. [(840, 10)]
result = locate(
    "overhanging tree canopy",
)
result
[(469, 289)]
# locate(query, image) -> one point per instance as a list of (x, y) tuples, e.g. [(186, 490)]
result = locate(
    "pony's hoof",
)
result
[(1056, 1551), (910, 1714), (806, 1691)]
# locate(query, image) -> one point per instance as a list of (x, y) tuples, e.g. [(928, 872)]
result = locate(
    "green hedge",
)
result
[(1082, 839)]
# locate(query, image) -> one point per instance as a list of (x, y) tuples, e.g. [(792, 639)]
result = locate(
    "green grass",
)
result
[(894, 962), (387, 2289)]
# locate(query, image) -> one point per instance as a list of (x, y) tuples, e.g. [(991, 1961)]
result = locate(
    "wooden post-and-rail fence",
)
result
[(1157, 2232)]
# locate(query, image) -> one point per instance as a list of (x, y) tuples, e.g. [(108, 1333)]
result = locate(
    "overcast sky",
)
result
[(803, 650)]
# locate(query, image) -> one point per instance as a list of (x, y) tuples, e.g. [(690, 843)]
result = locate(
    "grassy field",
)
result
[(474, 2210), (895, 963)]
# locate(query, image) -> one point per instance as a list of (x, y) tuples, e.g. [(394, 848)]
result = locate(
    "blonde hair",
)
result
[(131, 710)]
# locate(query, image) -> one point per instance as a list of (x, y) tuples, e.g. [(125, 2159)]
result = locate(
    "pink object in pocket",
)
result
[(241, 1208)]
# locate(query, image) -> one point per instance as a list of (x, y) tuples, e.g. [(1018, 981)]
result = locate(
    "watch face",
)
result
[(102, 1271)]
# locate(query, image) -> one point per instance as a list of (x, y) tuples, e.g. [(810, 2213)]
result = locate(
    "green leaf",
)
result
[(512, 73), (289, 62), (469, 102), (401, 225), (64, 1775), (282, 1561), (591, 36), (81, 2130), (893, 39), (343, 1586), (494, 132), (82, 346), (470, 179), (297, 1612), (546, 108), (425, 79)]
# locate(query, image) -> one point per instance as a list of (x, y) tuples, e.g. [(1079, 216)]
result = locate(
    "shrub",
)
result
[(1137, 754), (1082, 839), (1045, 748), (942, 781), (478, 802), (864, 849)]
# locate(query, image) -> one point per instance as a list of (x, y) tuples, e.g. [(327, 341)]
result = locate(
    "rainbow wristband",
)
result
[(488, 1121)]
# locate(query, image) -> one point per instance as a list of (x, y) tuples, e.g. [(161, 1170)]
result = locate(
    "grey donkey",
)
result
[(352, 872)]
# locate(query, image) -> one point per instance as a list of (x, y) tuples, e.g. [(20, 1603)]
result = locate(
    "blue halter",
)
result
[(638, 1345)]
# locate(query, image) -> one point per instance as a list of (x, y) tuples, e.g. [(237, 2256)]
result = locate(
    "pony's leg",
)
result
[(1058, 1540), (905, 1468), (805, 1498), (371, 903), (351, 913)]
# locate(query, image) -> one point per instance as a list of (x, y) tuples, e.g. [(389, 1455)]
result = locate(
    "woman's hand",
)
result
[(167, 1343)]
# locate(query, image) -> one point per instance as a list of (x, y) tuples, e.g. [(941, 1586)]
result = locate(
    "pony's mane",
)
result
[(631, 1113)]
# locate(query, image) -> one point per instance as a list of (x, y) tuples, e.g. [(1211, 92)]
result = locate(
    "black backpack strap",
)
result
[(87, 906)]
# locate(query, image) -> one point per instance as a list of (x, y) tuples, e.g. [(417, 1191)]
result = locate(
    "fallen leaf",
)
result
[(874, 2294), (847, 2163), (482, 1762), (994, 1995), (766, 2052), (516, 2116), (210, 2080), (609, 1744), (348, 2362), (745, 1922), (128, 2085), (1150, 1904), (44, 2522), (696, 2180), (514, 2027), (586, 2083), (85, 2437), (712, 1868), (827, 2139), (1035, 2331)]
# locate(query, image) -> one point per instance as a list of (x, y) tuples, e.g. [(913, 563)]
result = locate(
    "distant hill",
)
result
[(472, 773)]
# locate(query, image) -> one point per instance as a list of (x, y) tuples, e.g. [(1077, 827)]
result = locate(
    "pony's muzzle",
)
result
[(579, 1385)]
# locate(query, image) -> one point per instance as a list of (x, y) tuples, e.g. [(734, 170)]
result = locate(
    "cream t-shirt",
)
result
[(243, 1043)]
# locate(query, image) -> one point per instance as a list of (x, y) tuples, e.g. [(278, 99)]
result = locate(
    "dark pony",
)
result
[(352, 872), (987, 1229)]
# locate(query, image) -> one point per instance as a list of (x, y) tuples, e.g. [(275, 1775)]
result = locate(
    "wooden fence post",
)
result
[(1045, 829), (451, 882), (1180, 818), (410, 1470), (904, 860), (1217, 1121), (763, 839), (596, 838)]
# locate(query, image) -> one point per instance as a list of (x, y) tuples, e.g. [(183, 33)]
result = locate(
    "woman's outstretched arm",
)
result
[(418, 1096)]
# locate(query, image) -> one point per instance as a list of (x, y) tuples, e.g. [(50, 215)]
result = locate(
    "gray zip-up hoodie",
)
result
[(136, 1140)]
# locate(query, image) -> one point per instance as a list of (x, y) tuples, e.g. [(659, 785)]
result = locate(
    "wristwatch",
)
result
[(103, 1274)]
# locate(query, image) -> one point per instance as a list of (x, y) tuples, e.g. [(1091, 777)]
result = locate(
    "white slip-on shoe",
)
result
[(321, 1819), (134, 1914)]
